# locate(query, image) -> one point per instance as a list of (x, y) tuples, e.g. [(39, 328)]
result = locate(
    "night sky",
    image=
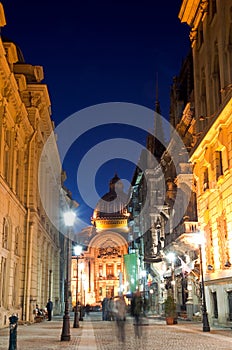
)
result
[(97, 52)]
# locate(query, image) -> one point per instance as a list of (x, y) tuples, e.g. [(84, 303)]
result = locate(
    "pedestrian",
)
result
[(120, 314), (87, 309), (105, 309), (136, 311), (49, 307), (111, 307)]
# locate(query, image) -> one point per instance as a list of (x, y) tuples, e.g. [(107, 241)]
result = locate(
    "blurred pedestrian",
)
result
[(111, 309), (136, 311), (120, 314), (105, 309), (49, 307), (87, 309)]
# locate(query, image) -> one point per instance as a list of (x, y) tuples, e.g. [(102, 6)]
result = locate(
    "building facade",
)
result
[(211, 40), (201, 114), (30, 237), (100, 272)]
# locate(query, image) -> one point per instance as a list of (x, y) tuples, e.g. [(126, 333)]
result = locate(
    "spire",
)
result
[(154, 145)]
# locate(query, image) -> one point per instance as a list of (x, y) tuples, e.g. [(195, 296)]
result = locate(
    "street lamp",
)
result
[(81, 289), (69, 218), (77, 251), (206, 327)]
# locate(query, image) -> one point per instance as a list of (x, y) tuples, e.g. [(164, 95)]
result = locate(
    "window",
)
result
[(206, 179), (18, 175), (213, 7), (118, 269), (16, 250), (5, 234), (15, 289), (109, 270), (7, 156), (215, 305), (216, 78), (219, 166), (100, 270), (200, 36)]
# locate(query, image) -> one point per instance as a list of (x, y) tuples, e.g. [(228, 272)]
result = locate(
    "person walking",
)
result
[(120, 314), (49, 307), (136, 311), (105, 311)]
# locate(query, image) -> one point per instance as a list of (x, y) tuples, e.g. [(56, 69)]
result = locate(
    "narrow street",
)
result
[(95, 334)]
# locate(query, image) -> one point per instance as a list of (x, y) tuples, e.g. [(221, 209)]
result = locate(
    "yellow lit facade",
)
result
[(101, 271), (30, 246), (211, 39)]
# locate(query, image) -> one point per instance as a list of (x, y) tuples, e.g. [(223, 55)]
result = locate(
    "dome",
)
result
[(111, 209)]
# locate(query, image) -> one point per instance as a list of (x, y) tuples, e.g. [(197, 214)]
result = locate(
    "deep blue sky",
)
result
[(100, 51)]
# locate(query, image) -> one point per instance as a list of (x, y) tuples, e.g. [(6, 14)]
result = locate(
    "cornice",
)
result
[(193, 12), (188, 11)]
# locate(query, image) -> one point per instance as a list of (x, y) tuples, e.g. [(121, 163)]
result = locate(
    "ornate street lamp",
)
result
[(69, 218), (205, 321), (77, 251)]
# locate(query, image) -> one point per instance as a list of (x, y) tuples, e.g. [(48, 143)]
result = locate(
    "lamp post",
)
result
[(205, 321), (81, 289), (77, 250), (69, 218)]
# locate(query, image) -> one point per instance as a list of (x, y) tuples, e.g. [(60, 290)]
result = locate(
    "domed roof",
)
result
[(115, 190), (112, 205)]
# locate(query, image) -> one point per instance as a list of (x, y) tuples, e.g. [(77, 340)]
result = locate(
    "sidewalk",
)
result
[(96, 334), (45, 335)]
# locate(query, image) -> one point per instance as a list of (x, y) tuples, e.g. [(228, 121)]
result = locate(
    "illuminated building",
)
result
[(101, 265), (29, 236), (211, 40)]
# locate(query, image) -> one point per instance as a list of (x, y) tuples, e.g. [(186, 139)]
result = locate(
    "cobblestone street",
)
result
[(95, 334)]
